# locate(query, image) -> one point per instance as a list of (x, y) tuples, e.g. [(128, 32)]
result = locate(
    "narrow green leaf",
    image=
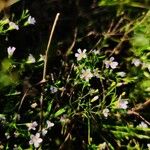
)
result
[(59, 112)]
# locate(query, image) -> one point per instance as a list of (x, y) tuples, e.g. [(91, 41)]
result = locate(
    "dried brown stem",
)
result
[(45, 67), (48, 45), (140, 107)]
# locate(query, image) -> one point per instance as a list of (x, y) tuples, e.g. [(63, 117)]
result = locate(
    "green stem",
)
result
[(89, 126)]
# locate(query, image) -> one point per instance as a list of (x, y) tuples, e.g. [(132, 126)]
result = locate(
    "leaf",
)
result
[(49, 106), (13, 94), (146, 74), (121, 135), (2, 116), (59, 112), (6, 64)]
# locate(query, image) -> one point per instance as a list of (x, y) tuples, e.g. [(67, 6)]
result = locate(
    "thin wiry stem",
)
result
[(24, 95), (45, 67), (48, 45)]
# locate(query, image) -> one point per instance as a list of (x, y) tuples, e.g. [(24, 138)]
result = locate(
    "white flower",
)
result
[(96, 52), (95, 98), (31, 20), (10, 51), (49, 124), (105, 112), (121, 74), (148, 145), (44, 132), (136, 62), (143, 125), (80, 54), (111, 63), (53, 89), (36, 140), (16, 147), (86, 74), (32, 126), (33, 105), (42, 58), (12, 25), (30, 59), (123, 104), (7, 135)]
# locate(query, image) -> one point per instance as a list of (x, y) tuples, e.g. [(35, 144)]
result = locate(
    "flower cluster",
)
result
[(35, 139), (49, 125)]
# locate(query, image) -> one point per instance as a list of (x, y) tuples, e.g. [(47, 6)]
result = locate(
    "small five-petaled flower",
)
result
[(81, 54), (86, 74), (32, 126), (123, 104), (111, 63), (35, 140)]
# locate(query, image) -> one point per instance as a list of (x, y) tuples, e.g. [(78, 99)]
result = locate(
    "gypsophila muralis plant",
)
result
[(86, 102)]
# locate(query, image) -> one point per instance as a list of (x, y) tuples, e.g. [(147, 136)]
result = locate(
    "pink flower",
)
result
[(111, 63), (86, 74), (123, 104), (81, 54), (10, 51), (36, 140), (32, 126)]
